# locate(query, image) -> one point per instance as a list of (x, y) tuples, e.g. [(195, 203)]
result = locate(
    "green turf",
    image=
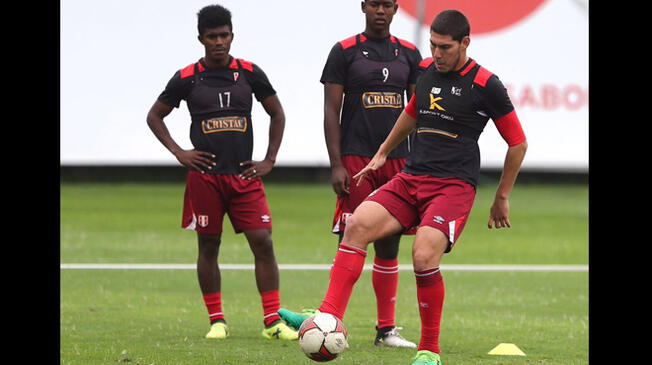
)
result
[(157, 316), (141, 223)]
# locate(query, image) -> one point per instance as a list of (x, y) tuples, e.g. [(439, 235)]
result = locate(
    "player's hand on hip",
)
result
[(499, 214), (373, 165), (340, 180), (198, 160), (256, 169)]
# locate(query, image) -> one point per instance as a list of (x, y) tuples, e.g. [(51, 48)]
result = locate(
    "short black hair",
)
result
[(453, 23), (213, 16)]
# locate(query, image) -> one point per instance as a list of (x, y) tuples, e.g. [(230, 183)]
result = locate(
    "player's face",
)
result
[(217, 42), (379, 13), (448, 54)]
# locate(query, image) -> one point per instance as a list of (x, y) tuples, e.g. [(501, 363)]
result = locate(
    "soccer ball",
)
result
[(322, 337)]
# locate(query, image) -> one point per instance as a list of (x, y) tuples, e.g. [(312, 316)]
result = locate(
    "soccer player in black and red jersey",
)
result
[(454, 99), (222, 177), (366, 80)]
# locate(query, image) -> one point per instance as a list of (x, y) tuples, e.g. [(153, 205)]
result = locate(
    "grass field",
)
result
[(157, 316)]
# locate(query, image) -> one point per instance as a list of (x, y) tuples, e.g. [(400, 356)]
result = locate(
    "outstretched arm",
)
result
[(404, 125)]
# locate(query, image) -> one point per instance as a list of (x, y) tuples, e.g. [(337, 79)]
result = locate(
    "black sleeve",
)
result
[(336, 66), (414, 56), (259, 82), (176, 90), (494, 98)]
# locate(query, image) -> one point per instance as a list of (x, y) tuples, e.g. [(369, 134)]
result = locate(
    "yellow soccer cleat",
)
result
[(219, 331), (280, 331)]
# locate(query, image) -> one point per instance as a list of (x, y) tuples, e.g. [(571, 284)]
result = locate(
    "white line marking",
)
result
[(102, 266)]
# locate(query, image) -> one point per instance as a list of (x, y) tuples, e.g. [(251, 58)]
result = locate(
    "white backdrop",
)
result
[(117, 56)]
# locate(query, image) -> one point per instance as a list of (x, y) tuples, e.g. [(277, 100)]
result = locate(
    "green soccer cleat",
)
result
[(426, 358), (218, 331), (280, 331), (295, 319)]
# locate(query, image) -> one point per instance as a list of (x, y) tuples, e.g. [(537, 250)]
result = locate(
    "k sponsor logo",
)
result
[(433, 102)]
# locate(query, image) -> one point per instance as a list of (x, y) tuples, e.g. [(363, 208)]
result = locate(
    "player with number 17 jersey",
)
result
[(219, 101)]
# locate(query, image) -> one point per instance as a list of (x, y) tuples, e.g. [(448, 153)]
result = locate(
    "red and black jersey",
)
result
[(220, 102), (452, 109), (375, 74)]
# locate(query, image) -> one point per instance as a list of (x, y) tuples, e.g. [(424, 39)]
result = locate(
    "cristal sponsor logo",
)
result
[(224, 124), (374, 99)]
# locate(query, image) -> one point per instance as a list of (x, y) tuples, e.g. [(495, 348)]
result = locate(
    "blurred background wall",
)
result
[(117, 56)]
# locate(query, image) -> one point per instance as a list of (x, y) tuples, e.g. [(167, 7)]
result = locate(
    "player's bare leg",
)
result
[(266, 268), (208, 271), (427, 251), (208, 275), (370, 222), (267, 282)]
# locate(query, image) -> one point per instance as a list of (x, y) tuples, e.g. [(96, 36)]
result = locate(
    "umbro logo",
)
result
[(438, 219), (456, 91), (265, 218)]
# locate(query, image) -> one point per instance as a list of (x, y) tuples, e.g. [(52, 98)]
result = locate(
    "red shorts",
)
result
[(424, 200), (209, 196), (347, 203)]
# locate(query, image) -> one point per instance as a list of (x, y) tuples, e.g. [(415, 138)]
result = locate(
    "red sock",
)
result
[(345, 272), (385, 282), (271, 304), (213, 303), (430, 294)]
